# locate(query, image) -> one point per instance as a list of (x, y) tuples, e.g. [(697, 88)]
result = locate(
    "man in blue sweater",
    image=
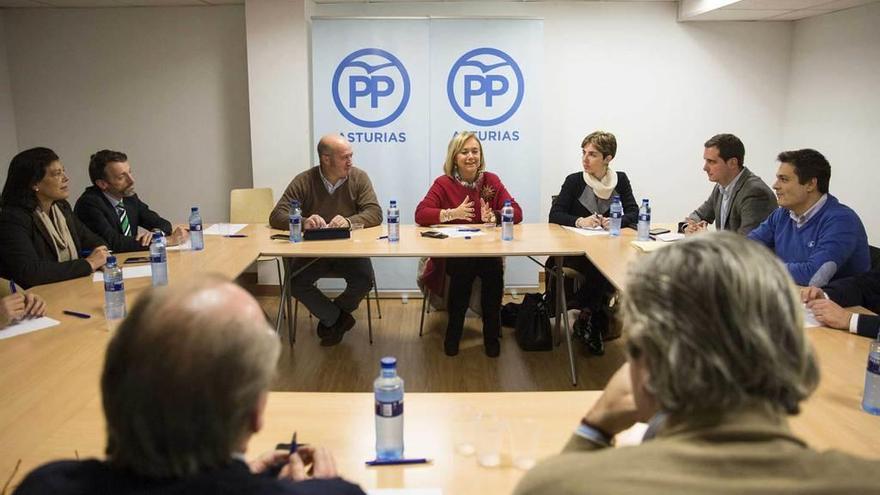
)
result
[(817, 238)]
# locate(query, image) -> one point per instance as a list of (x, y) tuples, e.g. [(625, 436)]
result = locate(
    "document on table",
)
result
[(27, 326), (454, 232), (592, 231), (810, 321), (670, 237), (127, 272), (405, 491), (186, 246), (224, 228), (648, 246)]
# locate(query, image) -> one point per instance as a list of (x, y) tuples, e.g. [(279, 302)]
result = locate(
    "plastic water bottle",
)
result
[(114, 293), (296, 218), (507, 221), (871, 399), (644, 221), (393, 222), (616, 215), (159, 259), (388, 389), (196, 236)]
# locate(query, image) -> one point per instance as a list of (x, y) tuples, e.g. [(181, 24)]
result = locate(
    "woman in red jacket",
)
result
[(467, 194)]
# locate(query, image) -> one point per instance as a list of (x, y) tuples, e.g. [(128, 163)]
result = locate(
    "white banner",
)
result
[(398, 90)]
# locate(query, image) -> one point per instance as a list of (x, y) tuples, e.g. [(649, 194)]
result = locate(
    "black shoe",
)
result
[(324, 331), (450, 347), (492, 347), (344, 323), (594, 342)]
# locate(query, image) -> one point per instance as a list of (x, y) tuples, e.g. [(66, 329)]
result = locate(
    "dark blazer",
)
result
[(567, 209), (859, 290), (94, 210), (96, 477), (29, 256), (751, 203)]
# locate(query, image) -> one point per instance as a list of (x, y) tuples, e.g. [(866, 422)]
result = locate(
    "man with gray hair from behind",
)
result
[(185, 383), (716, 359)]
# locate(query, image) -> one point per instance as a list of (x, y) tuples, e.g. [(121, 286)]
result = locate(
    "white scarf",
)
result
[(602, 188)]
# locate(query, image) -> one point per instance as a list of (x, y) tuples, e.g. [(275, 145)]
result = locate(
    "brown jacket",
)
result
[(748, 452), (355, 199)]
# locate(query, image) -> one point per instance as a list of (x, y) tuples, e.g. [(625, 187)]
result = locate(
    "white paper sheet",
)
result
[(648, 246), (594, 231), (224, 228), (405, 491), (27, 326), (670, 237), (454, 232), (127, 272), (810, 320), (186, 246)]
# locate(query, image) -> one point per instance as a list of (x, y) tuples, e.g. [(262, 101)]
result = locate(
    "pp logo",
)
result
[(370, 87), (485, 86)]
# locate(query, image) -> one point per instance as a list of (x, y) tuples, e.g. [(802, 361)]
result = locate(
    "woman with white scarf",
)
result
[(584, 201), (40, 237)]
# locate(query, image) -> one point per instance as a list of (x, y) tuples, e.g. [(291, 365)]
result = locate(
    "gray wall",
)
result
[(8, 139), (833, 103), (166, 85)]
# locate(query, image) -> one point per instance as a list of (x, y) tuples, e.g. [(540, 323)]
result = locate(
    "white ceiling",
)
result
[(689, 10)]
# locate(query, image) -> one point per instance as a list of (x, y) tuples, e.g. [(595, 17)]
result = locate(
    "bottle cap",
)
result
[(388, 362), (157, 234), (194, 208), (295, 203), (111, 260)]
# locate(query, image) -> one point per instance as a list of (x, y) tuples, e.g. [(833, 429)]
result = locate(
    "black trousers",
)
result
[(462, 272), (591, 294)]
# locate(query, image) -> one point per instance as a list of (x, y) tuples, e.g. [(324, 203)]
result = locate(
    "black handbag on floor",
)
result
[(533, 324)]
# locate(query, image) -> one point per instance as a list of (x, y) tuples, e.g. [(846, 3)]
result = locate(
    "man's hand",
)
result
[(323, 465), (615, 410), (829, 313), (179, 235), (606, 222), (98, 258), (12, 309), (486, 213), (144, 239), (811, 293), (268, 460), (314, 222), (694, 226), (464, 211), (34, 305), (339, 221)]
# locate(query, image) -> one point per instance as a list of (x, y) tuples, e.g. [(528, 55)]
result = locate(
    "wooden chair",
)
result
[(254, 206)]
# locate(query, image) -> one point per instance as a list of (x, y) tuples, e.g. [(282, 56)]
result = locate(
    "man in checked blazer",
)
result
[(741, 200), (111, 208)]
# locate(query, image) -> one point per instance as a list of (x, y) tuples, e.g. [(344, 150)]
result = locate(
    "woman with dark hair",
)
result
[(467, 194), (40, 237), (584, 201)]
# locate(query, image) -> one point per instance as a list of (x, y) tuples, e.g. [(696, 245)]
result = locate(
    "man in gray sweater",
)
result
[(333, 194)]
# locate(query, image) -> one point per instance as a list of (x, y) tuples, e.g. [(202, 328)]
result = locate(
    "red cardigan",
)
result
[(447, 193)]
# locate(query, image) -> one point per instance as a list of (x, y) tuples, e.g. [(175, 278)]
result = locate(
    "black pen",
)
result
[(276, 469), (12, 288), (235, 235), (77, 314), (381, 237)]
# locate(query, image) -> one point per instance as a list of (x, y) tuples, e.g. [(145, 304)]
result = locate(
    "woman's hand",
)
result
[(589, 222), (486, 213), (465, 211), (98, 258)]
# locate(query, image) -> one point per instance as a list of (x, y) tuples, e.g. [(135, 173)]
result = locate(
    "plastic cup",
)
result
[(464, 428), (525, 435), (490, 438)]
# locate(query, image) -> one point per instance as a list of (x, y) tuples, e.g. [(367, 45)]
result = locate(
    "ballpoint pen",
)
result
[(12, 287), (274, 470), (394, 462)]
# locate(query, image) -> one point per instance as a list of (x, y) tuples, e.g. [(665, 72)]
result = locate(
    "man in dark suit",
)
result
[(111, 208), (741, 200), (185, 384), (859, 290)]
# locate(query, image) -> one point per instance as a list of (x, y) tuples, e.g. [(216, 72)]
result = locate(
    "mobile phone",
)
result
[(280, 237), (434, 234), (658, 231), (137, 259)]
